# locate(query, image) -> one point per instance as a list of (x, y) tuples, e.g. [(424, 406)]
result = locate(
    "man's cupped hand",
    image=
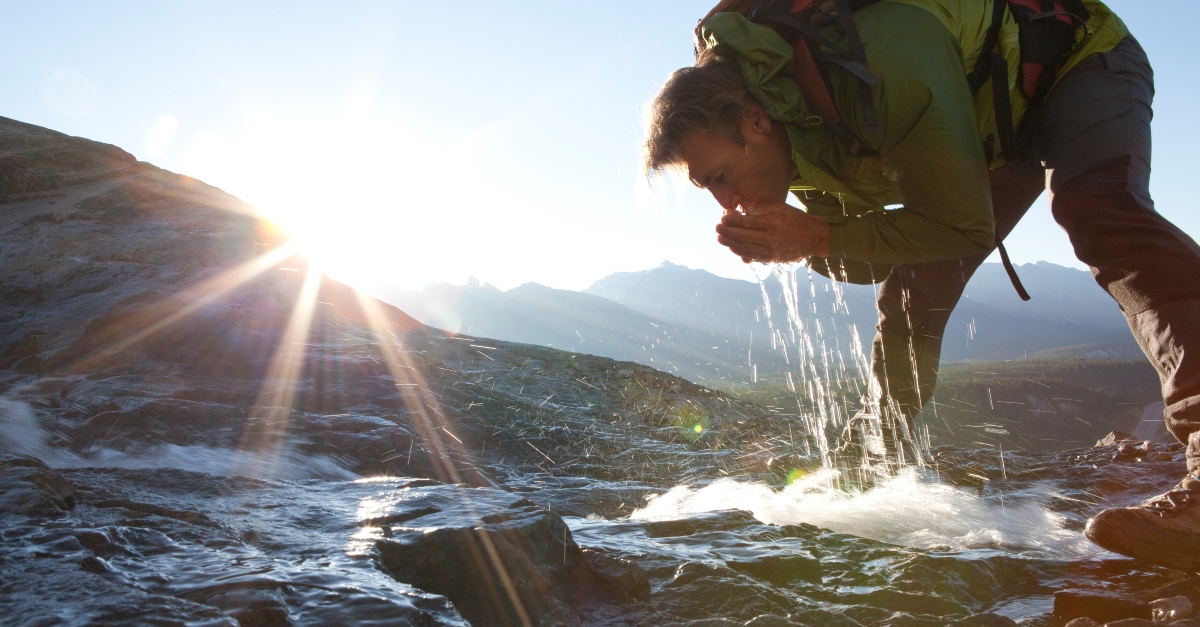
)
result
[(779, 233)]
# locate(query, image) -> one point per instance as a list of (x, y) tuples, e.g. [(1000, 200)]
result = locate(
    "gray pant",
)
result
[(1090, 146)]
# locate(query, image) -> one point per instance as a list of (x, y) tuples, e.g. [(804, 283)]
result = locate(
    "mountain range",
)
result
[(708, 328)]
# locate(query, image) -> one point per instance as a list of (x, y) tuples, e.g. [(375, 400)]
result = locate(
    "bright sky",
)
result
[(409, 142)]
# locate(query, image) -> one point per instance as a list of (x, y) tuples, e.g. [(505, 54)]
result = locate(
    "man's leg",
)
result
[(1094, 134), (915, 302), (1148, 265), (1152, 269)]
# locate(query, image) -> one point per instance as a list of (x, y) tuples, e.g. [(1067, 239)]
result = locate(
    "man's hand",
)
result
[(779, 233)]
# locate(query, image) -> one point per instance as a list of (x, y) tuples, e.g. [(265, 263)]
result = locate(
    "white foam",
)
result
[(285, 464), (20, 433), (913, 509), (19, 430)]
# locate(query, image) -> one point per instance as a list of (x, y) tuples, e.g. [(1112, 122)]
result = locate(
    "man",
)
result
[(924, 143)]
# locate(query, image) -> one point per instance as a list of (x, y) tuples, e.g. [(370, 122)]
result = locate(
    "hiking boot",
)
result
[(1164, 530)]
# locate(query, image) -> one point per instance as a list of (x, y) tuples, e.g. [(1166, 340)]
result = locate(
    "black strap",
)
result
[(1012, 273), (1077, 9), (982, 71), (865, 99), (1003, 106), (991, 65)]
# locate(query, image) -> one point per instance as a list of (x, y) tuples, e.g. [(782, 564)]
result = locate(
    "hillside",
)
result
[(714, 329)]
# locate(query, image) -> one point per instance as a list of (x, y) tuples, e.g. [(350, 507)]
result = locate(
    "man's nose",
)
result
[(726, 198)]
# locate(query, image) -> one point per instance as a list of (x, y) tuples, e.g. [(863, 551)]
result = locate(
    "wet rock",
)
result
[(29, 487), (1171, 609), (95, 565), (986, 620), (253, 607), (1132, 622), (624, 577), (1188, 588), (406, 516), (910, 602), (1083, 622), (1126, 452), (707, 521), (780, 569), (1100, 605), (772, 620), (1115, 437), (712, 589), (526, 568)]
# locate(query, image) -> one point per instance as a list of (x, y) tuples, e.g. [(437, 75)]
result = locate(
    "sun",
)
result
[(353, 193)]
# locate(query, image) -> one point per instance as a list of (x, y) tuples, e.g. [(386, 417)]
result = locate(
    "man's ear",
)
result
[(755, 120)]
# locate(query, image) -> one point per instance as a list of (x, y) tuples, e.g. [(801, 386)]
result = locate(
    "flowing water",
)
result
[(186, 534)]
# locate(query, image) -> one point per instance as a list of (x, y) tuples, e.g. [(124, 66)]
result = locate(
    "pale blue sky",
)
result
[(419, 141)]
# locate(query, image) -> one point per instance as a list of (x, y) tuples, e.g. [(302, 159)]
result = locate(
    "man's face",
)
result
[(752, 177)]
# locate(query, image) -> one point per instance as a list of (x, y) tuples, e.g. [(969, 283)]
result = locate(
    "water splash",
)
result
[(911, 509), (20, 433), (823, 376)]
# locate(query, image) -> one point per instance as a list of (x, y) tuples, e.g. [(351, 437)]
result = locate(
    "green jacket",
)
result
[(930, 162)]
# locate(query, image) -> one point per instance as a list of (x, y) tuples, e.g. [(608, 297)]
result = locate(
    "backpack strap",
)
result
[(991, 65), (982, 71), (1012, 273), (866, 102)]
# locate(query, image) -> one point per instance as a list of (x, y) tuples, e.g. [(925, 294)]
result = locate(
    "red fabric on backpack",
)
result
[(1031, 73), (804, 66), (804, 70)]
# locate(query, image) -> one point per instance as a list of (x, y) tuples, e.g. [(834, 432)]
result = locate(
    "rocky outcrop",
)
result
[(29, 487), (1100, 605), (515, 567), (1115, 437)]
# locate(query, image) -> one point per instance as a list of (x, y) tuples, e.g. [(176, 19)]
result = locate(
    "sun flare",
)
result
[(356, 194)]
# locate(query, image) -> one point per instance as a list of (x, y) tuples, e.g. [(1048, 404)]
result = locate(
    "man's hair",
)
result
[(708, 96)]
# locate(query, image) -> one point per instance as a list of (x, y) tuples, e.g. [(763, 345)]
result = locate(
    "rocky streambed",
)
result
[(198, 429)]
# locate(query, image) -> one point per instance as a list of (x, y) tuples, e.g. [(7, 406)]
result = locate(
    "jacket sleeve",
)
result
[(929, 147)]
